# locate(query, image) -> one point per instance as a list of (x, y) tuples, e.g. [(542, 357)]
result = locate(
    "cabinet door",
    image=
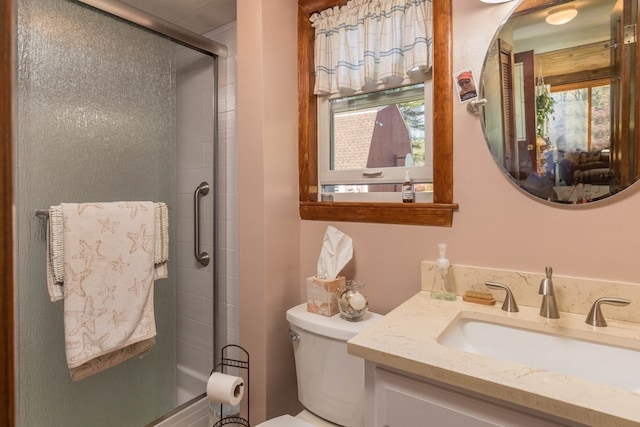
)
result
[(398, 401)]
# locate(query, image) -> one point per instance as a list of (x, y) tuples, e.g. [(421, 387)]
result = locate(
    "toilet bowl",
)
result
[(303, 419), (315, 421), (285, 421), (330, 381)]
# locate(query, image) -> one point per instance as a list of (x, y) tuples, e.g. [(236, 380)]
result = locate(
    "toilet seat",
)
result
[(285, 421)]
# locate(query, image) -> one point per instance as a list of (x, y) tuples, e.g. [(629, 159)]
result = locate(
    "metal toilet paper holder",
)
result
[(241, 363)]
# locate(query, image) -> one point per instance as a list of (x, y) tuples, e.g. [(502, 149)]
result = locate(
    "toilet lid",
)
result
[(285, 421)]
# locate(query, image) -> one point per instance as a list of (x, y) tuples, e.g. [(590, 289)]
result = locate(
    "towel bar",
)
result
[(44, 213)]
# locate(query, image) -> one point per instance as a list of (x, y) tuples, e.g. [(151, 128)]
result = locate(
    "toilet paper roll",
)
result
[(223, 388)]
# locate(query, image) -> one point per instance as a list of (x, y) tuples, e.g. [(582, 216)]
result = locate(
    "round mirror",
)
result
[(560, 87)]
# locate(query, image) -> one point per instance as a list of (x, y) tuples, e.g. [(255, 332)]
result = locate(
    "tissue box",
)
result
[(322, 295)]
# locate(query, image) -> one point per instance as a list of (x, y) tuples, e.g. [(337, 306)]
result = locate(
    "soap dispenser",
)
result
[(443, 287)]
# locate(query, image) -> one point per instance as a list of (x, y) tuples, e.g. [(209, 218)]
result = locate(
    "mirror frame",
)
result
[(438, 213)]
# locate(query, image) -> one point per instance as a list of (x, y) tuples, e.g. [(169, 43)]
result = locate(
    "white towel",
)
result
[(109, 253), (55, 254), (55, 249), (161, 240)]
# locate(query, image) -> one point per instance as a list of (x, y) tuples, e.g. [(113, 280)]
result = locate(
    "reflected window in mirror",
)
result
[(561, 100), (582, 117), (581, 135)]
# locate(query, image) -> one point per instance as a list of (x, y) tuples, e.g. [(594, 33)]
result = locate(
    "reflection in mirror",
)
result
[(561, 98)]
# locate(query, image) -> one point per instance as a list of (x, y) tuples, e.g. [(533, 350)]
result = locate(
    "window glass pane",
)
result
[(600, 118), (380, 129), (581, 119), (568, 129), (369, 188)]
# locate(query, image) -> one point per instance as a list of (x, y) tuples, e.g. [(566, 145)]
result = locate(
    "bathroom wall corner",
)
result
[(268, 217)]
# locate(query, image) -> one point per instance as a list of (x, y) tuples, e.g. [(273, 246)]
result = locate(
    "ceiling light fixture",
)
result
[(495, 1), (561, 17)]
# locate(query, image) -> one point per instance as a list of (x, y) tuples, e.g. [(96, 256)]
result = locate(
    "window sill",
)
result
[(436, 214)]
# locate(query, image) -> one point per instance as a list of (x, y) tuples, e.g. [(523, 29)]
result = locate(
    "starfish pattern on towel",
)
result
[(84, 206), (107, 225), (135, 207), (141, 240), (118, 317), (73, 281), (119, 265), (85, 318), (148, 321), (107, 293), (91, 345), (137, 287), (89, 253)]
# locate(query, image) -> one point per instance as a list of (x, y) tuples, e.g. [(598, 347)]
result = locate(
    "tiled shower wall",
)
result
[(195, 160), (228, 184)]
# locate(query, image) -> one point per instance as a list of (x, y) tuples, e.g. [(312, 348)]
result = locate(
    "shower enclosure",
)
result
[(99, 118)]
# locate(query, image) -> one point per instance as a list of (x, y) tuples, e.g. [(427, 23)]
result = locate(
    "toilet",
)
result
[(330, 381)]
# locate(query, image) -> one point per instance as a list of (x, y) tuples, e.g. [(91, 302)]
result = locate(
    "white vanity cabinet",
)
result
[(397, 400)]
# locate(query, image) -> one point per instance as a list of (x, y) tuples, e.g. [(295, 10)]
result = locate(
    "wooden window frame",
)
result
[(438, 213)]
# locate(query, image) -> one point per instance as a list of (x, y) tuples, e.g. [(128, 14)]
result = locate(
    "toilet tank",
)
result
[(330, 381)]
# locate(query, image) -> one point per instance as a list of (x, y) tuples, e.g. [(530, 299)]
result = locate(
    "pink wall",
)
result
[(496, 226), (268, 235)]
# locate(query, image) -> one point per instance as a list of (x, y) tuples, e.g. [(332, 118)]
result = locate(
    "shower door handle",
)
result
[(201, 190)]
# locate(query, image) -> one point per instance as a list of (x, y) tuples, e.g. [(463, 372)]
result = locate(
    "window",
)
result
[(581, 117), (440, 212), (368, 141)]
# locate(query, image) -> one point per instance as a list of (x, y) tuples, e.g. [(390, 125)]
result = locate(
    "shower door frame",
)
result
[(7, 74), (8, 93)]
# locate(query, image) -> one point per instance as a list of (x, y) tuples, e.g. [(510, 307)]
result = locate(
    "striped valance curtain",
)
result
[(366, 43)]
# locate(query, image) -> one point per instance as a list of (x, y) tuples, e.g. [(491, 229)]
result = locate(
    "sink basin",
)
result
[(580, 358)]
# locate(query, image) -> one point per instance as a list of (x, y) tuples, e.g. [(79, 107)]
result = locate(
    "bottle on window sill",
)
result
[(407, 189)]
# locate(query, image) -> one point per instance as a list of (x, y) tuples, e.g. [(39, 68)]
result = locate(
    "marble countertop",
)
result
[(406, 339)]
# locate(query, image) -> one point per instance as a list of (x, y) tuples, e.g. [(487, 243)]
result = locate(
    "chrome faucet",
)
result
[(595, 317), (548, 308), (509, 304)]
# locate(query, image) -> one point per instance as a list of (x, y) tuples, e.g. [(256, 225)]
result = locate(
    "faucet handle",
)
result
[(509, 303), (595, 316), (546, 284)]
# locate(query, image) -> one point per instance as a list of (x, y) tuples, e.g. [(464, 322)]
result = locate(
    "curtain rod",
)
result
[(174, 32)]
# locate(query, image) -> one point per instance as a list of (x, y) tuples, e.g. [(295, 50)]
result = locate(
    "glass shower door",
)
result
[(96, 123)]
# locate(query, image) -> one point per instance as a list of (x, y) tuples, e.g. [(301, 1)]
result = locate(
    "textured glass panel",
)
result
[(95, 123)]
